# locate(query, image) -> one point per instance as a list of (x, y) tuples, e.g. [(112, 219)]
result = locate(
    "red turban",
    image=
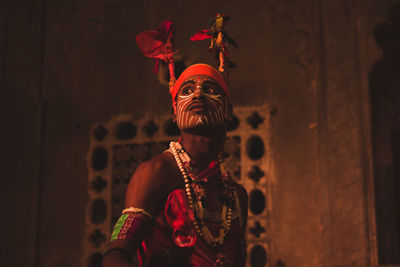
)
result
[(199, 69)]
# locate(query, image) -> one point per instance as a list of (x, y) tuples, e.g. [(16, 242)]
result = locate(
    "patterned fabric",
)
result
[(128, 224), (118, 226)]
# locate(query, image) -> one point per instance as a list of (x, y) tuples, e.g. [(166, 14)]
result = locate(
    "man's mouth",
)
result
[(197, 107)]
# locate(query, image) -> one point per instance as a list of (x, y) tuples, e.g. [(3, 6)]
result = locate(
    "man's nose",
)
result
[(198, 92)]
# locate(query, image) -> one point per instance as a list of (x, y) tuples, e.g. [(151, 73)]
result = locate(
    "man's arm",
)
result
[(143, 200)]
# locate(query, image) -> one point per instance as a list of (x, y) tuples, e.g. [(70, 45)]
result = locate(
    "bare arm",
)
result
[(145, 191)]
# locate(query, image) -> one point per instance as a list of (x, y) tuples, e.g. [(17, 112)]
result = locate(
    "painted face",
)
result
[(201, 103)]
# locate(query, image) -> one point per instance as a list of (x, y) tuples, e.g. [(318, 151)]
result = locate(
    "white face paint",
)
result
[(200, 104)]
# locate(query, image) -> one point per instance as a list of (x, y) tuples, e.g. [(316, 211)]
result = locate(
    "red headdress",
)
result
[(199, 69)]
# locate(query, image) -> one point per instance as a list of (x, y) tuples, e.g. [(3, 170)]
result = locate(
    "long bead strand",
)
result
[(197, 208)]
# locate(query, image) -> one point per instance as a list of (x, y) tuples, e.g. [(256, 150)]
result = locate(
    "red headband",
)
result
[(199, 69)]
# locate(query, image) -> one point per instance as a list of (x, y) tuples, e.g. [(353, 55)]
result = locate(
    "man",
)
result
[(182, 208)]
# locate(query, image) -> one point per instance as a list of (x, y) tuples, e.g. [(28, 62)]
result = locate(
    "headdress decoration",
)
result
[(158, 44), (219, 41)]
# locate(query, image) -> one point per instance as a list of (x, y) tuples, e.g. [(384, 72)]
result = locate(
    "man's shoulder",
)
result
[(151, 183), (242, 192), (156, 171), (237, 185), (160, 162), (243, 199)]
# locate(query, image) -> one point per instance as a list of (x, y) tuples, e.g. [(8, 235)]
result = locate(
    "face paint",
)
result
[(200, 104)]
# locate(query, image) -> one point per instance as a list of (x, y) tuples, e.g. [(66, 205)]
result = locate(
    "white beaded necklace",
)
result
[(196, 205)]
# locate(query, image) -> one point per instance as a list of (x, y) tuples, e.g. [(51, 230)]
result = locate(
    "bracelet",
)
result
[(121, 250), (136, 210)]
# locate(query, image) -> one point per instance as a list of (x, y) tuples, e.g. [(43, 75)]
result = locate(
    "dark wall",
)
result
[(68, 64), (22, 140)]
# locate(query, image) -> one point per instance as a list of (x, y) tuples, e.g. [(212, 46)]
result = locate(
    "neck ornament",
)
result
[(196, 195)]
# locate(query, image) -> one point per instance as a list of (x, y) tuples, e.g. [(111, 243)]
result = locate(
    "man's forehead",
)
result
[(199, 78)]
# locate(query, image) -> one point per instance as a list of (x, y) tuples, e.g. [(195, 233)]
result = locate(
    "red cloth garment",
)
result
[(173, 241), (212, 170), (179, 217)]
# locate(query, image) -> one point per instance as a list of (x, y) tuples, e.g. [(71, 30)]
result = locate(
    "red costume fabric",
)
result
[(173, 241), (199, 69)]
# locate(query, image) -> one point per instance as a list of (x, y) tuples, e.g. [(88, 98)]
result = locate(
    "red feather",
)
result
[(200, 35), (157, 43)]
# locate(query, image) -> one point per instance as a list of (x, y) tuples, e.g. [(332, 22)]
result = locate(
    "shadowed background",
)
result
[(328, 70)]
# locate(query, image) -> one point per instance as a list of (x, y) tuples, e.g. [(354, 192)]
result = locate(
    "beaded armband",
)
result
[(131, 221)]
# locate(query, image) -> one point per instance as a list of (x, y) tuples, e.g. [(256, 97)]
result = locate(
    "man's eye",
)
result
[(187, 91), (209, 90)]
